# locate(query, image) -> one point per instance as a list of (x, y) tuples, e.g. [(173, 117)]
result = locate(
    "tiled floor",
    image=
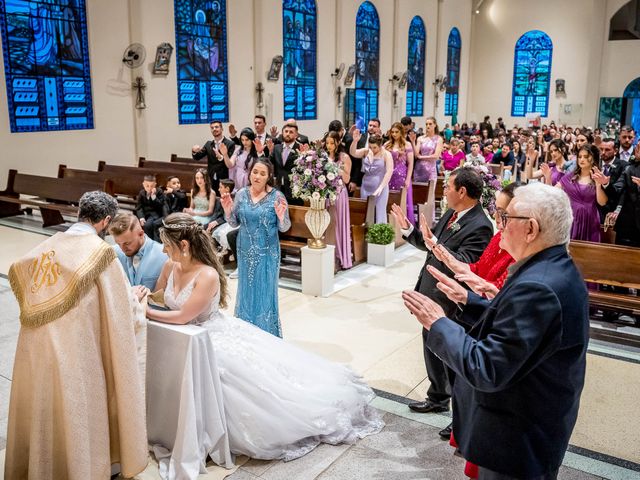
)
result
[(365, 325)]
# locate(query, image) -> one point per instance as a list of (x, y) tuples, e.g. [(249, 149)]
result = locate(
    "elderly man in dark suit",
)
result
[(283, 156), (214, 150), (520, 369), (465, 231)]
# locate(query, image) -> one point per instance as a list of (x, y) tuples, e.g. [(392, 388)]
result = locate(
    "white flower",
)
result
[(307, 171), (331, 176), (315, 195), (322, 178), (332, 197), (296, 189)]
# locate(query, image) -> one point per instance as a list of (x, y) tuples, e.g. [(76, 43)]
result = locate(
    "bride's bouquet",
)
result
[(315, 176)]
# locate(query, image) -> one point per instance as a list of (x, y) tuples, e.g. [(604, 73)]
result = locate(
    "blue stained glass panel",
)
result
[(299, 47), (454, 45), (367, 63), (46, 59), (531, 74), (415, 67), (633, 89), (201, 40)]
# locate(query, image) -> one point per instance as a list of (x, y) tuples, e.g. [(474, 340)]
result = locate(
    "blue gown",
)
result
[(258, 258)]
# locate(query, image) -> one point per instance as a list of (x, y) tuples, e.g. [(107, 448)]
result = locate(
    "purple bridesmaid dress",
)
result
[(586, 219), (399, 176)]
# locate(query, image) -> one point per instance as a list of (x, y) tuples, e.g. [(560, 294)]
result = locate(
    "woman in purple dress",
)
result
[(427, 151), (585, 192), (241, 159), (402, 154), (377, 166), (333, 146), (557, 162)]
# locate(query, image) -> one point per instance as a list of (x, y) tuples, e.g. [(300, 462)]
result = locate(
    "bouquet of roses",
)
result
[(315, 176), (492, 186)]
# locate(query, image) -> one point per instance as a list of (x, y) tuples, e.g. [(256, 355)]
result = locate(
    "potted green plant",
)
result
[(380, 244)]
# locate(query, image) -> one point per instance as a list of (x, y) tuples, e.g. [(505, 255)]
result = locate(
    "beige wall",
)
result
[(112, 139), (577, 30)]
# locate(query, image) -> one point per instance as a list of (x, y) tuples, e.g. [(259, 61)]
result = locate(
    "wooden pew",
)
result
[(609, 265), (399, 197), (53, 196), (177, 159), (361, 213), (127, 181), (182, 167), (424, 196)]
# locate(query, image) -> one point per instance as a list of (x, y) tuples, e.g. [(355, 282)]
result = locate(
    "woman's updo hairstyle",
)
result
[(181, 226)]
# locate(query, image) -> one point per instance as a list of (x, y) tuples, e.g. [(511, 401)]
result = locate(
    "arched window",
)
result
[(633, 89), (201, 39), (46, 65), (415, 67), (453, 72), (631, 97), (299, 47), (531, 74), (367, 64)]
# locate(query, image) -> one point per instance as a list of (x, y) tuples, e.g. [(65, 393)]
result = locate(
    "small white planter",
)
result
[(381, 255)]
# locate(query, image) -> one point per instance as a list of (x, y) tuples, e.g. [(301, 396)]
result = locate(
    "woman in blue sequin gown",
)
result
[(260, 211)]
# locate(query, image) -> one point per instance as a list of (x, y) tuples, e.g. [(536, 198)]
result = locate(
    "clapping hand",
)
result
[(304, 148), (635, 180), (400, 217), (227, 203), (259, 146), (425, 310), (599, 177), (223, 150), (270, 144), (610, 220), (478, 284), (427, 235), (452, 289), (446, 257), (280, 207)]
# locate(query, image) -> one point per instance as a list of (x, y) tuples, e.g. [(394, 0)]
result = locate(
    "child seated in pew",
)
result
[(150, 207), (218, 227), (175, 198)]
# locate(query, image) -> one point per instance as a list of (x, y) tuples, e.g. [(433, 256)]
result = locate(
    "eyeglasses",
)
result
[(504, 217)]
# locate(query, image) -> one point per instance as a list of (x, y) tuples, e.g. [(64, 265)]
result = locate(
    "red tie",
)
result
[(453, 218)]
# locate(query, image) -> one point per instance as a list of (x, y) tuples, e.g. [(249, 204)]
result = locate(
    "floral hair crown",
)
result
[(181, 226)]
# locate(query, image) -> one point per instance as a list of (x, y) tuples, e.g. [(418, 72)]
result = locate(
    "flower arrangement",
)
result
[(315, 176), (612, 128), (492, 185)]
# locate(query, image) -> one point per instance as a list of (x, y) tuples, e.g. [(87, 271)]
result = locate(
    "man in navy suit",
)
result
[(465, 231), (142, 259), (520, 368)]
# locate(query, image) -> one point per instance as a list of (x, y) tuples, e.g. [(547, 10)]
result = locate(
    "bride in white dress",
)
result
[(280, 402)]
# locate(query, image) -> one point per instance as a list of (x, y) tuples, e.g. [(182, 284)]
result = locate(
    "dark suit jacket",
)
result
[(302, 139), (466, 244), (282, 170), (356, 163), (215, 167), (238, 142), (175, 201), (628, 194), (520, 369), (148, 208), (617, 167)]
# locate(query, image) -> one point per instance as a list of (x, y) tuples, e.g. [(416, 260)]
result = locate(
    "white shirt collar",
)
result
[(462, 214), (81, 228)]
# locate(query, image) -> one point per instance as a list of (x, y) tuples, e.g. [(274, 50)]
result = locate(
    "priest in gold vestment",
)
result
[(77, 397)]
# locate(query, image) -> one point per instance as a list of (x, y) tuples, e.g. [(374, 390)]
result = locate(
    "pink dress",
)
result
[(425, 170), (343, 229), (399, 176), (451, 162)]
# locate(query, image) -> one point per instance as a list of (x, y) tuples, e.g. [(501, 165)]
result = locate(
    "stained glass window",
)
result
[(531, 74), (46, 64), (367, 64), (453, 72), (415, 67), (633, 89), (299, 46), (201, 39)]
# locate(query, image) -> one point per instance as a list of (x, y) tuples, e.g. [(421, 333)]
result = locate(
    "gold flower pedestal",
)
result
[(317, 219)]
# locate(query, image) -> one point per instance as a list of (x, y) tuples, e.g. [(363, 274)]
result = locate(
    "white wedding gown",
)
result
[(280, 402)]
